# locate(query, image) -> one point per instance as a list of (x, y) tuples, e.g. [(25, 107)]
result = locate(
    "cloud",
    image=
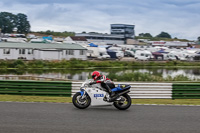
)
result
[(180, 18)]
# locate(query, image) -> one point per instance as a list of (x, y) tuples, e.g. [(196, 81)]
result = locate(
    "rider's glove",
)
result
[(91, 83)]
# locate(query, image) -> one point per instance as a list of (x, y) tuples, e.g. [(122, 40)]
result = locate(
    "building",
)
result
[(76, 39), (41, 51), (169, 43), (98, 38), (123, 29), (119, 33)]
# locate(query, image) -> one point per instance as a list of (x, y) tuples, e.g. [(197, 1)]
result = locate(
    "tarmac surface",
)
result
[(65, 118)]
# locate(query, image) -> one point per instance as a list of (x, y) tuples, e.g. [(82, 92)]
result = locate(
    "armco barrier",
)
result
[(36, 88), (140, 90), (186, 91), (68, 89)]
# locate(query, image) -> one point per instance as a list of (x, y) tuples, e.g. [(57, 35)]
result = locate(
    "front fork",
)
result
[(83, 94)]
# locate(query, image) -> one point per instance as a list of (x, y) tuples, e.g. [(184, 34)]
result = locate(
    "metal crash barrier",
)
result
[(35, 88), (186, 91), (141, 90), (68, 89)]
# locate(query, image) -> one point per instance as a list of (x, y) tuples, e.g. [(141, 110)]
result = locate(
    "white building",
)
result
[(40, 51), (169, 43), (102, 39), (76, 39)]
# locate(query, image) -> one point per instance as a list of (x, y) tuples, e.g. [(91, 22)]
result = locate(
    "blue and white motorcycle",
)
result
[(95, 95)]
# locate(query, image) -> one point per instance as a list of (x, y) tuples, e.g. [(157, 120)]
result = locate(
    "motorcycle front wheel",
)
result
[(124, 103), (81, 102)]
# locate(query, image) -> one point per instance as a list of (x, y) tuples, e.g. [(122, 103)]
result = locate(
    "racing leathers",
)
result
[(105, 83)]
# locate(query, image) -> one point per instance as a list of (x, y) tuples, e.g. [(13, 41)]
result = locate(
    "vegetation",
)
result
[(9, 21), (57, 34), (113, 68), (80, 64), (16, 98), (148, 35), (162, 36), (6, 20), (163, 39), (22, 24), (147, 77)]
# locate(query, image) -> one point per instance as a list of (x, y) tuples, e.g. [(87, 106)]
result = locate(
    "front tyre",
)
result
[(80, 101), (124, 103)]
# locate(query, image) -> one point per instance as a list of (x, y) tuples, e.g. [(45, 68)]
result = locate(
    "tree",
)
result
[(145, 35), (7, 22), (48, 32), (22, 24), (141, 35), (164, 35), (198, 38)]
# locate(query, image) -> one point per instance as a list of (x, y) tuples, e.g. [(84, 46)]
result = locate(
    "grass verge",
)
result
[(167, 101), (16, 98)]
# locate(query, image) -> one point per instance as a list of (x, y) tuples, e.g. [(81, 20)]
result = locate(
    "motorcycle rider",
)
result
[(98, 78)]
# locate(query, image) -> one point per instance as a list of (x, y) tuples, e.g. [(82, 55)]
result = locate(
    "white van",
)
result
[(143, 55), (93, 52), (97, 52), (119, 52), (169, 56), (103, 53)]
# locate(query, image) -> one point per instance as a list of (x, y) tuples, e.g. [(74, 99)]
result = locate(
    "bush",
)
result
[(137, 76), (17, 64)]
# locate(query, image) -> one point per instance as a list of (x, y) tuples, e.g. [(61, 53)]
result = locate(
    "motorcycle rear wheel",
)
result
[(123, 105), (80, 102)]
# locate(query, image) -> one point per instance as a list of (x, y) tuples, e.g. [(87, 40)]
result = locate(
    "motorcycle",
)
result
[(95, 95)]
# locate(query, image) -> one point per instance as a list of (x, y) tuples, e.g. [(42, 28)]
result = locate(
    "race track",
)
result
[(65, 118)]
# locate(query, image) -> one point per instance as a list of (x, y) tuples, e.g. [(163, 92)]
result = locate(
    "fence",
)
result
[(36, 88), (186, 91), (141, 90), (68, 89)]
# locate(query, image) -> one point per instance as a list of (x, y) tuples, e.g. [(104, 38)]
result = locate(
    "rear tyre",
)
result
[(123, 104), (80, 102)]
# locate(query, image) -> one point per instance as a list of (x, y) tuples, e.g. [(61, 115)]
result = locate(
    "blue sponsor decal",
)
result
[(98, 95)]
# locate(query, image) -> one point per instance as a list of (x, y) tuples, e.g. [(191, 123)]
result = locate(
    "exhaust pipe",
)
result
[(115, 97)]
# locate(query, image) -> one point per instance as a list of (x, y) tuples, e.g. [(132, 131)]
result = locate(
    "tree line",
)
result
[(53, 33), (10, 22), (161, 35)]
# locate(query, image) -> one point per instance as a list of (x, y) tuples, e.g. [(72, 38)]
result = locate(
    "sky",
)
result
[(179, 18)]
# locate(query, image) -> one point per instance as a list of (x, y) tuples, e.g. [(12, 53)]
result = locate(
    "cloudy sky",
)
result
[(180, 18)]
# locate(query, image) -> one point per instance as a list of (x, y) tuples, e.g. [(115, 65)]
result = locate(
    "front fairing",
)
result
[(95, 92)]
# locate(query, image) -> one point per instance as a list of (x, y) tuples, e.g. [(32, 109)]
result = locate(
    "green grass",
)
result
[(167, 101), (16, 98)]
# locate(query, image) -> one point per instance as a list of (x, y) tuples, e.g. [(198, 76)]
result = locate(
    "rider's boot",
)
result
[(107, 97)]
